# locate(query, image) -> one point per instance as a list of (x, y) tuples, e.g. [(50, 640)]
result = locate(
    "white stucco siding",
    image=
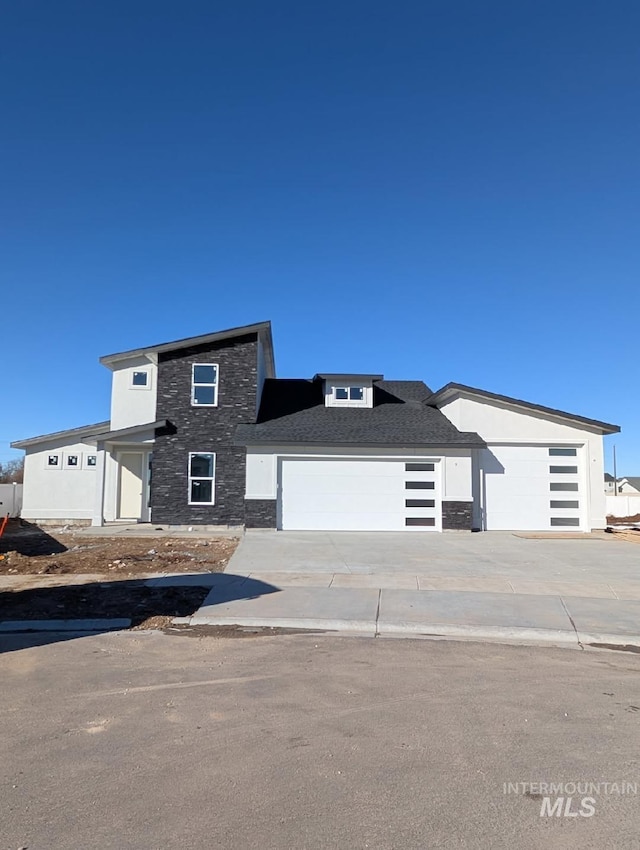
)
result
[(59, 492), (499, 426), (133, 405), (262, 466)]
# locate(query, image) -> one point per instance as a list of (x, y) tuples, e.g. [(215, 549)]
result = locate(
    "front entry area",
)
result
[(358, 494), (131, 485)]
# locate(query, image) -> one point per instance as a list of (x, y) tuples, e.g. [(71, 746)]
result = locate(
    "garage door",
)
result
[(533, 488), (360, 495)]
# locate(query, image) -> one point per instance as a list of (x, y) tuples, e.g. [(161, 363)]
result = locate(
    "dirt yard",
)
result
[(118, 566)]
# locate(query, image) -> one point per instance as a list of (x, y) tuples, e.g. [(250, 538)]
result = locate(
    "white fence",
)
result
[(623, 505)]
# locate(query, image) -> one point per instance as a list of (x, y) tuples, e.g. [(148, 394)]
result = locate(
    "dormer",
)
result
[(348, 390)]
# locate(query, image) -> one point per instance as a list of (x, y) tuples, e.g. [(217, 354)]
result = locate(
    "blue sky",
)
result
[(435, 190)]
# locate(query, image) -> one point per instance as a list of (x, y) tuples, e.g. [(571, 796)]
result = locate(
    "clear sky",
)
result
[(438, 190)]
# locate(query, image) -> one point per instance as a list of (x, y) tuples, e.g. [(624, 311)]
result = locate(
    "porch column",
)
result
[(98, 505)]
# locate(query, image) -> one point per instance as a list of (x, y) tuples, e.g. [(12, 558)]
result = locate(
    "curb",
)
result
[(105, 625)]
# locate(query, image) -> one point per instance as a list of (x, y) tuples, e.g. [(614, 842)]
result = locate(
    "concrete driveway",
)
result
[(577, 591)]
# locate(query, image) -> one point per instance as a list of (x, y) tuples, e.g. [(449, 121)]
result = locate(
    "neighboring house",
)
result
[(629, 486), (609, 484), (202, 433)]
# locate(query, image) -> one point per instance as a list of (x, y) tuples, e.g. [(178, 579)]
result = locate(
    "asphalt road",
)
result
[(152, 741)]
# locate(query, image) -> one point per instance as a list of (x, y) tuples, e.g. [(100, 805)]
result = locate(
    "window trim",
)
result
[(194, 403), (146, 386), (211, 478)]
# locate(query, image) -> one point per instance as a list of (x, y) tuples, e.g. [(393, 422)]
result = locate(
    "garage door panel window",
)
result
[(563, 485), (420, 520), (419, 503), (561, 503), (563, 470), (419, 467), (420, 485), (565, 521), (563, 452), (202, 466)]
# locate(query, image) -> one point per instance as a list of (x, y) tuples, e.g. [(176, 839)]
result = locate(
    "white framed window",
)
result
[(90, 461), (140, 379), (348, 395), (53, 461), (204, 384), (72, 461), (202, 478)]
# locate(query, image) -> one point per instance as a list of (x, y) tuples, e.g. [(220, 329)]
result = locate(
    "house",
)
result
[(201, 432), (609, 484), (629, 486)]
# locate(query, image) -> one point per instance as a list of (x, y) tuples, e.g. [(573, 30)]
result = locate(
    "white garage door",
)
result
[(360, 495), (533, 488)]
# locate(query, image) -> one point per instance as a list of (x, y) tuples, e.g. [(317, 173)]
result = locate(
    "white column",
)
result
[(98, 507)]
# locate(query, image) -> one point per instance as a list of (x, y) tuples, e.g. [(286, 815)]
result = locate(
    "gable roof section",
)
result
[(71, 434), (634, 480), (262, 329), (450, 390), (293, 411)]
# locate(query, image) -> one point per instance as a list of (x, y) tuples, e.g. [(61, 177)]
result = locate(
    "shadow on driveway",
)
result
[(138, 600)]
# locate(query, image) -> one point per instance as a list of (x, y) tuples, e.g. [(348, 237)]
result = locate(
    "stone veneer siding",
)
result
[(261, 513), (457, 515), (203, 429)]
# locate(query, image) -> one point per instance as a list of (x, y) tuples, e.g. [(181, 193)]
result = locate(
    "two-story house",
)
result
[(201, 432)]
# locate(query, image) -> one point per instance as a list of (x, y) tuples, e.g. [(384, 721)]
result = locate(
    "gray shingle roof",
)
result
[(634, 480), (293, 411)]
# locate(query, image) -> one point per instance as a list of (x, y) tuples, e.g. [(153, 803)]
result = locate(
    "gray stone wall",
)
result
[(260, 513), (457, 515), (203, 429)]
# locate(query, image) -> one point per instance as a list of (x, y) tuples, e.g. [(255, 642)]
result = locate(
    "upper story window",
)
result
[(204, 384), (140, 379), (348, 395)]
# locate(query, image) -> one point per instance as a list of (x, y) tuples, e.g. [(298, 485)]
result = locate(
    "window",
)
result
[(563, 452), (420, 485), (72, 461), (565, 520), (562, 503), (53, 462), (419, 467), (140, 379), (563, 470), (419, 503), (349, 393), (204, 384), (564, 485), (420, 520), (91, 461), (202, 466)]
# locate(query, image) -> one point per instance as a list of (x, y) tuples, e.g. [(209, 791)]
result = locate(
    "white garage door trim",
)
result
[(359, 493)]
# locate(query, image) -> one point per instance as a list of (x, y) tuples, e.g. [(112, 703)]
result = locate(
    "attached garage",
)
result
[(360, 494), (534, 488)]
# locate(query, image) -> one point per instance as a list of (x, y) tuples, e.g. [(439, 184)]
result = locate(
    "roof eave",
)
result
[(262, 329)]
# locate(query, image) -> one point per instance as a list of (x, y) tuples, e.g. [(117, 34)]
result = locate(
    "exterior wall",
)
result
[(203, 429), (58, 493), (457, 516), (498, 424), (10, 499), (133, 405), (261, 513), (627, 489), (261, 374), (262, 466)]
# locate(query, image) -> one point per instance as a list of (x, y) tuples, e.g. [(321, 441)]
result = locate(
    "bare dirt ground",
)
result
[(123, 562)]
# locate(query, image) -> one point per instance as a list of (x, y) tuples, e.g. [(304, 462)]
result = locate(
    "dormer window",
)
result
[(349, 393)]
